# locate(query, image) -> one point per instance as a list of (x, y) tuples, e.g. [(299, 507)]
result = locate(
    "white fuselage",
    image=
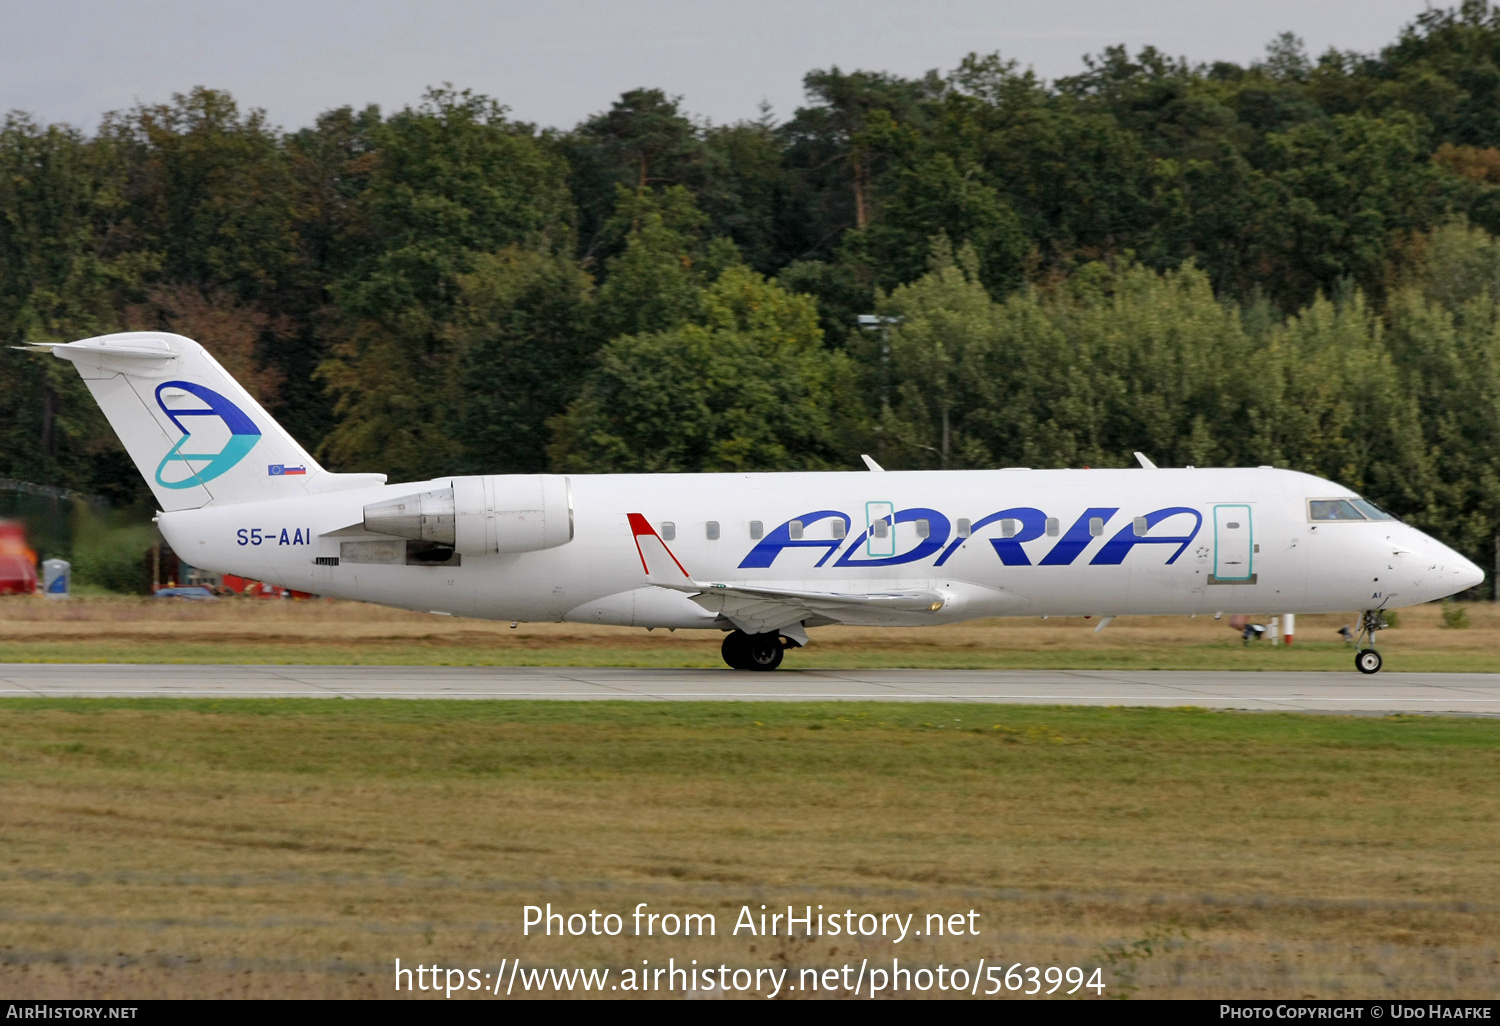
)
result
[(1210, 540)]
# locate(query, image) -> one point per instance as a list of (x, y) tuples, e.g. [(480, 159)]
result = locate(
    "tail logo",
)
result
[(219, 431)]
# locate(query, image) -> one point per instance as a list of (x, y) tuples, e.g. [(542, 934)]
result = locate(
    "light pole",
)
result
[(882, 324)]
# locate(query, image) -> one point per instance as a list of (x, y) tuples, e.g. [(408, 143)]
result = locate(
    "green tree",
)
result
[(206, 191), (747, 386), (1111, 362), (643, 141), (453, 179), (522, 334), (59, 281), (1350, 185), (1444, 337), (932, 196), (940, 331), (1345, 413), (664, 260)]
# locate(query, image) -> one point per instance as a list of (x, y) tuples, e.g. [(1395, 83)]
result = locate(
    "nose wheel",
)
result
[(743, 651), (1366, 659)]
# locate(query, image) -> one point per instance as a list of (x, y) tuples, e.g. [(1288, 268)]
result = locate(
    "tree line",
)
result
[(1291, 262)]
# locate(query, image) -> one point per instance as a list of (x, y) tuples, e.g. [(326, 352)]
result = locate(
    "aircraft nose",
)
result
[(1452, 573), (1444, 571), (1467, 575)]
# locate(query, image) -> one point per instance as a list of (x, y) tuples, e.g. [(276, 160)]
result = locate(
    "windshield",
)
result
[(1371, 510), (1332, 509), (1346, 509)]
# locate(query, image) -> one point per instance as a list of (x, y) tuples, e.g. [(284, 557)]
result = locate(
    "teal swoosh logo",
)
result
[(243, 434)]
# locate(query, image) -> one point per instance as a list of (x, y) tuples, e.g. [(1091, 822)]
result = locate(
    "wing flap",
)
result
[(915, 601), (757, 609)]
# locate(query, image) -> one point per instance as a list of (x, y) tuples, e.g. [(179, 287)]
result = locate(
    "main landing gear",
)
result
[(1366, 659), (753, 651)]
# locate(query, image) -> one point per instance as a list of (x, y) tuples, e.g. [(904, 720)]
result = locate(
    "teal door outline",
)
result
[(1234, 544), (880, 513)]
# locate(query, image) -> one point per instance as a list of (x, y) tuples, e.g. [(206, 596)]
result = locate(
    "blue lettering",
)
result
[(938, 530), (243, 539), (283, 540), (1033, 524), (1077, 539), (255, 536), (769, 547), (1117, 548), (297, 537)]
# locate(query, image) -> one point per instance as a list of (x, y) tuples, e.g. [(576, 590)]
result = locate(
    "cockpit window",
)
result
[(1371, 510), (1332, 509)]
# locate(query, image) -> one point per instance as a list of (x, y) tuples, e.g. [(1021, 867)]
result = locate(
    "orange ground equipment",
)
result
[(17, 560)]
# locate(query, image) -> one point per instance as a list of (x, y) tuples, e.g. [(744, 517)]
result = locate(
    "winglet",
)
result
[(650, 547), (1145, 463), (871, 463)]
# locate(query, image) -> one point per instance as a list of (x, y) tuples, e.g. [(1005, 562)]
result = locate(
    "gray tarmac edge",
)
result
[(1467, 694)]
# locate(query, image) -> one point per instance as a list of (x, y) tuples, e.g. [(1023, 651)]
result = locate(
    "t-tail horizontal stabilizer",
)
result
[(194, 433)]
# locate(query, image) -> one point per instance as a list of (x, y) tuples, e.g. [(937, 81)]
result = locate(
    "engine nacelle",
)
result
[(477, 516)]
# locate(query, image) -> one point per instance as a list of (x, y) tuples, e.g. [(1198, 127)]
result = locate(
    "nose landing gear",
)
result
[(743, 651), (1366, 659)]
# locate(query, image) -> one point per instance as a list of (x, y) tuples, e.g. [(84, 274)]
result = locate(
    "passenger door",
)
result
[(1234, 543)]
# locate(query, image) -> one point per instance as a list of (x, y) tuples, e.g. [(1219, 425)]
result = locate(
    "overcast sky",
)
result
[(558, 62)]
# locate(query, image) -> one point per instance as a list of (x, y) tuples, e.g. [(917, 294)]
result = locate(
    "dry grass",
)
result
[(161, 848), (254, 631)]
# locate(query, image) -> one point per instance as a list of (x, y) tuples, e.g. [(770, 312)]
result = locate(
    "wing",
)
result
[(755, 609)]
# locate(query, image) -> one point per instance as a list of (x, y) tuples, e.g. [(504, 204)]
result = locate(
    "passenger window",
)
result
[(1007, 528), (1096, 526), (756, 530), (668, 531), (713, 530), (1371, 510), (1140, 527), (1332, 509), (795, 528), (837, 527), (964, 527), (882, 529), (923, 528), (1053, 528)]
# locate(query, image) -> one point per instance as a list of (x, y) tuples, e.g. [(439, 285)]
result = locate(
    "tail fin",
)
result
[(197, 437)]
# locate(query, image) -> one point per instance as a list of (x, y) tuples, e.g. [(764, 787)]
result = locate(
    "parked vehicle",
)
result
[(17, 560)]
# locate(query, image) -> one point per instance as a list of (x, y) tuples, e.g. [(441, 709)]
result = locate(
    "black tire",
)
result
[(736, 650), (765, 651), (1367, 661)]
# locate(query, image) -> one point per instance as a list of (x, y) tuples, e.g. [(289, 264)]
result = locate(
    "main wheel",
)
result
[(736, 650), (765, 651), (1367, 661)]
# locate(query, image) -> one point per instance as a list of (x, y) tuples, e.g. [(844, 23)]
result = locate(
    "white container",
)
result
[(57, 578)]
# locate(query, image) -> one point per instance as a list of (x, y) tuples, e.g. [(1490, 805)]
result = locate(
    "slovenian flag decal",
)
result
[(281, 470)]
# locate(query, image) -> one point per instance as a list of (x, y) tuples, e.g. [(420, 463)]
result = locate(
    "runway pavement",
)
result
[(1464, 693)]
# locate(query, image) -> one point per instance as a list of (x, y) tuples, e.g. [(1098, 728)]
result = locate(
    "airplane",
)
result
[(762, 557)]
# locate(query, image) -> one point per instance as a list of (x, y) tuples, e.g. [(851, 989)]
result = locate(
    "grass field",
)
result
[(295, 848), (255, 631), (285, 848)]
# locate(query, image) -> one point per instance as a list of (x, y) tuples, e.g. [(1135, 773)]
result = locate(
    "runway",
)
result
[(1474, 694)]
